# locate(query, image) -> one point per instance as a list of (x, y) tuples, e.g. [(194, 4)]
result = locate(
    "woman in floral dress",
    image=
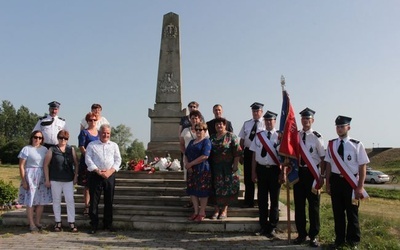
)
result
[(32, 192), (199, 175), (224, 160)]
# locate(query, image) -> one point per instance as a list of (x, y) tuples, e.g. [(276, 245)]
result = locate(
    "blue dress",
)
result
[(199, 180), (84, 139)]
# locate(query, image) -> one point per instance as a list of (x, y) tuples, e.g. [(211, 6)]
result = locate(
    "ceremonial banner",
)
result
[(289, 146)]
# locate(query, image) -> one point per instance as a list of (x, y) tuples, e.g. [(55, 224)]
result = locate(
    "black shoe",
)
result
[(271, 234), (299, 240), (261, 232), (353, 245), (314, 242), (110, 229), (336, 246)]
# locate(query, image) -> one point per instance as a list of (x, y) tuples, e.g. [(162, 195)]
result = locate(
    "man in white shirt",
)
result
[(103, 159)]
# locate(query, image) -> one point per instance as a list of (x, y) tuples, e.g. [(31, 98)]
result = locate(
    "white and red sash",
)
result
[(267, 144), (344, 170), (306, 157)]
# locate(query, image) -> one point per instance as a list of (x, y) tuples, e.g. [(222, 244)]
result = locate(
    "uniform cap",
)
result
[(54, 104), (342, 120), (307, 113), (270, 115), (256, 106)]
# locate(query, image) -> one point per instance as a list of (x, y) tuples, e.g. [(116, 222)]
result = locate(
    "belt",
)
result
[(266, 166), (339, 175)]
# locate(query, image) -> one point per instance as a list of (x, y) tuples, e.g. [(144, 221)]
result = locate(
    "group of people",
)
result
[(212, 153), (211, 157), (49, 168)]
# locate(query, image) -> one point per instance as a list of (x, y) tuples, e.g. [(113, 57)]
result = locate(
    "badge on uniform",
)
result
[(311, 150), (349, 158)]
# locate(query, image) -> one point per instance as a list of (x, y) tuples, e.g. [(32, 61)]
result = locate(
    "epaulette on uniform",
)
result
[(354, 141), (333, 139), (62, 119), (41, 118), (317, 134), (248, 121)]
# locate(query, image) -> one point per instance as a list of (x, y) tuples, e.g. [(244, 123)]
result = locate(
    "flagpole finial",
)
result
[(283, 82)]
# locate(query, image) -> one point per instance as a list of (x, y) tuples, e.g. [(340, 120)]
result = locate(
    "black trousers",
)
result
[(342, 206), (97, 185), (248, 182), (268, 187), (302, 193)]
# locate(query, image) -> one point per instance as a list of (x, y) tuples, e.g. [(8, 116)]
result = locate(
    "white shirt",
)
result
[(50, 131), (314, 145), (102, 156), (246, 130), (257, 147), (354, 155)]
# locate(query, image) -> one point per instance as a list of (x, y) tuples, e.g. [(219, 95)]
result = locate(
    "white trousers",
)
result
[(57, 188)]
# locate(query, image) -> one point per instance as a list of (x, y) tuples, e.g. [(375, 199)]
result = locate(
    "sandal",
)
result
[(223, 216), (192, 217), (34, 229), (215, 216), (199, 218), (57, 227), (72, 227)]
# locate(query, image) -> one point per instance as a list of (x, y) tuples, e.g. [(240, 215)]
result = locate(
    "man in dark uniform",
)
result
[(217, 110), (51, 124), (346, 164), (303, 190), (247, 135), (267, 172)]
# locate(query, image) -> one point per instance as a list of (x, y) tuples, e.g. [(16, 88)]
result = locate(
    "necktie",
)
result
[(263, 151), (341, 149), (302, 163), (253, 130)]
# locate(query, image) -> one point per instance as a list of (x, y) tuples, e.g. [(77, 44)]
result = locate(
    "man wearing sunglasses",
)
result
[(51, 124)]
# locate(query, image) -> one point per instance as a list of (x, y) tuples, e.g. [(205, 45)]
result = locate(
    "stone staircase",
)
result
[(155, 202)]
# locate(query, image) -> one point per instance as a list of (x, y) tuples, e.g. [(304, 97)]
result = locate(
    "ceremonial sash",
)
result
[(345, 171), (306, 157), (268, 146)]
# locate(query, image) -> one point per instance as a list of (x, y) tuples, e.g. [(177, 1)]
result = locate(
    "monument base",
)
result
[(161, 149)]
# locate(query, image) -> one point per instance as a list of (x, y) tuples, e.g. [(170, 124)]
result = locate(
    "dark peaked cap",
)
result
[(270, 115), (54, 104), (342, 120), (256, 106), (307, 112)]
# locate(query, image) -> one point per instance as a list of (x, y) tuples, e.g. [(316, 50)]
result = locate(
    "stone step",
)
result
[(150, 183), (158, 222), (148, 210), (170, 175)]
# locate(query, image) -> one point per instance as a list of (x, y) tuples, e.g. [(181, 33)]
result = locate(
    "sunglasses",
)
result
[(92, 120), (38, 137), (193, 107), (200, 129), (63, 138)]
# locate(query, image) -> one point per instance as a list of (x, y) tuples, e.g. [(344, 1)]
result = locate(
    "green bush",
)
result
[(8, 193)]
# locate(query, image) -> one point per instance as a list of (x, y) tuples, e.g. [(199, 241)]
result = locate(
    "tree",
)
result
[(122, 136), (136, 151), (15, 129)]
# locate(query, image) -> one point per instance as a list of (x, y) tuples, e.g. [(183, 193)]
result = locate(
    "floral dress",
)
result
[(225, 182), (38, 193), (199, 180)]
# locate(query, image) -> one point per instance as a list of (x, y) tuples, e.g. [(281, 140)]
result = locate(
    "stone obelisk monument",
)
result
[(167, 111)]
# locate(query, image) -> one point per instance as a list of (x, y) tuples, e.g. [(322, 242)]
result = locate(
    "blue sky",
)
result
[(338, 57)]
